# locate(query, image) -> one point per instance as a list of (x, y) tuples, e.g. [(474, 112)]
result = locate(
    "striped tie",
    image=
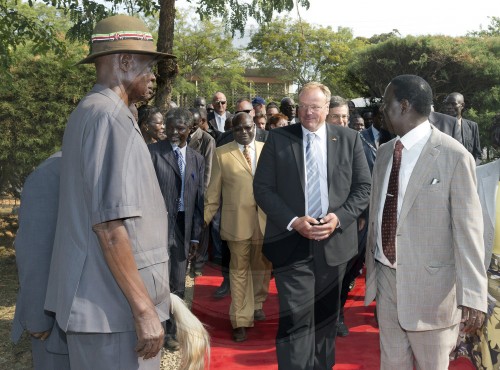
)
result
[(180, 163), (313, 188)]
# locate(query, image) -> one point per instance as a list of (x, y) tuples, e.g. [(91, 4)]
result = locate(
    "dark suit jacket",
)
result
[(212, 125), (227, 137), (201, 142), (470, 132), (169, 178), (369, 146), (279, 191), (470, 135)]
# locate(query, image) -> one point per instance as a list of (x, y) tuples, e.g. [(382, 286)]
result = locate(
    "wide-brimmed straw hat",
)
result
[(121, 34)]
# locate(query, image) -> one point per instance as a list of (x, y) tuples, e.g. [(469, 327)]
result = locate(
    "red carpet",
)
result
[(359, 350)]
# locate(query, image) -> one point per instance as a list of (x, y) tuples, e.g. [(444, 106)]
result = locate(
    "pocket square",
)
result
[(434, 181)]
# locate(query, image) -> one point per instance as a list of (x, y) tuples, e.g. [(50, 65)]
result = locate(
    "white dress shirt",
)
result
[(376, 136), (253, 154), (221, 121), (320, 144), (413, 142)]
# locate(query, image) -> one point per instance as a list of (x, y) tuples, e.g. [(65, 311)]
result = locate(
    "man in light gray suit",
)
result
[(34, 241), (425, 250), (108, 281)]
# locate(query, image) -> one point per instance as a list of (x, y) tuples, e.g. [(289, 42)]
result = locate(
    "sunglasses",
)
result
[(245, 111), (220, 102)]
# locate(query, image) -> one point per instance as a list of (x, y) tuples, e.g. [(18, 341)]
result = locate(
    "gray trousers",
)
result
[(44, 359), (107, 351), (402, 349)]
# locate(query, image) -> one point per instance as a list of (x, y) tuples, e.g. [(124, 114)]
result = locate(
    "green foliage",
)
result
[(205, 54), (304, 52), (20, 25), (237, 12), (493, 29), (467, 65), (34, 107)]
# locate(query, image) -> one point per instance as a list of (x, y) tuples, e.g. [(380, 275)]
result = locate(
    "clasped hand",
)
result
[(313, 229)]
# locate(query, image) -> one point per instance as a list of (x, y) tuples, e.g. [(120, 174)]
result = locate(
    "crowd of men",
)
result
[(304, 192)]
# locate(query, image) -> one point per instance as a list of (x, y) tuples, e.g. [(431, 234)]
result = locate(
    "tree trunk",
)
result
[(167, 69)]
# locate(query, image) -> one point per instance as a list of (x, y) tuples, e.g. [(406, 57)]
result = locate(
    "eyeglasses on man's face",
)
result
[(339, 116), (314, 108), (220, 102), (244, 110)]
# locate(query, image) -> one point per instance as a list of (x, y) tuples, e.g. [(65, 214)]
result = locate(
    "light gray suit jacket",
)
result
[(487, 180), (34, 241), (439, 242)]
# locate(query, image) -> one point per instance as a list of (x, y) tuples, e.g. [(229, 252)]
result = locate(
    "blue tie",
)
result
[(180, 163), (313, 187)]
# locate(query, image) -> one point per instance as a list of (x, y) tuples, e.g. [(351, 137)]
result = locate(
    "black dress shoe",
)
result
[(239, 334), (342, 329), (223, 290), (259, 315)]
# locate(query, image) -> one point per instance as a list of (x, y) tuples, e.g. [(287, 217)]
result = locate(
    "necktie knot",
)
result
[(310, 138), (399, 146), (246, 154)]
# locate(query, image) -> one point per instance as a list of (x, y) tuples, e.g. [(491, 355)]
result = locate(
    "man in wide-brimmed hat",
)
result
[(108, 282)]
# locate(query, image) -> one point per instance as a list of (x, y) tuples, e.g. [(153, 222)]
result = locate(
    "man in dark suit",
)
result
[(313, 182), (202, 143), (242, 105), (217, 118), (180, 174), (465, 131)]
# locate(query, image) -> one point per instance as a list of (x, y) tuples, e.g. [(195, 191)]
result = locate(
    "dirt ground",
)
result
[(18, 356)]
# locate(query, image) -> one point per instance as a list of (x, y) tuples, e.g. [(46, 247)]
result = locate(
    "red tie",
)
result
[(390, 214)]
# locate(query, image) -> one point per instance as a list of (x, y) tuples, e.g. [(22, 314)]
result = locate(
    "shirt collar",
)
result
[(320, 132), (251, 145), (413, 136), (183, 149), (375, 132)]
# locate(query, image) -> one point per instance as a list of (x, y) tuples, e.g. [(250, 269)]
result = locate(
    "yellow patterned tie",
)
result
[(246, 154)]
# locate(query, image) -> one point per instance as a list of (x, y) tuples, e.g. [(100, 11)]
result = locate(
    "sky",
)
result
[(418, 17)]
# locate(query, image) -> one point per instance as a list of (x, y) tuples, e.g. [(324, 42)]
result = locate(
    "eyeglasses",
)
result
[(245, 110), (221, 102), (339, 116), (314, 108), (243, 128)]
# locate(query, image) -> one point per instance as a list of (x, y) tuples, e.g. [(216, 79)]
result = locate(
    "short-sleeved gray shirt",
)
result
[(106, 174)]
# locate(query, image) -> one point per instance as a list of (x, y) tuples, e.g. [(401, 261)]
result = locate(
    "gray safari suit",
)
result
[(106, 174), (34, 241)]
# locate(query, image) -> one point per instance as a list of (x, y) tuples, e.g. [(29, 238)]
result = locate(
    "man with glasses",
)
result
[(242, 223), (312, 182), (338, 113), (217, 118), (243, 105)]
